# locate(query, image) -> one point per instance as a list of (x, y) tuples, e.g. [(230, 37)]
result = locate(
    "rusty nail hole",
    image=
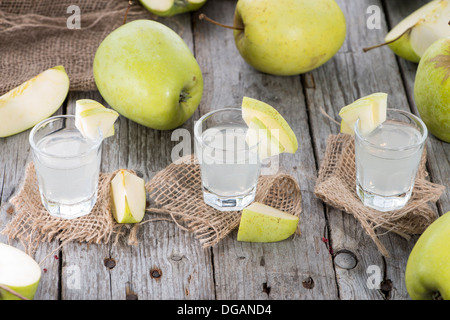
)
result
[(308, 283), (130, 294), (109, 263), (155, 273)]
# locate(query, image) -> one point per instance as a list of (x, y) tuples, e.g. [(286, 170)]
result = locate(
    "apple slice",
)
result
[(33, 101), (167, 8), (19, 272), (91, 116), (371, 110), (268, 141), (420, 29), (271, 119), (128, 197), (262, 223)]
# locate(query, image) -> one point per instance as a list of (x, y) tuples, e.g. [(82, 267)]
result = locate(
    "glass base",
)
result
[(69, 211), (223, 203), (382, 203)]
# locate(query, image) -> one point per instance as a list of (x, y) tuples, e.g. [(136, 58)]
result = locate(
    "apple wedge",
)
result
[(267, 140), (412, 36), (128, 197), (91, 117), (371, 110), (268, 117), (18, 272), (262, 223), (33, 101), (168, 8)]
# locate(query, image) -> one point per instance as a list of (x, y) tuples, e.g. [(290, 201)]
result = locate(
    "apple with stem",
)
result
[(287, 37)]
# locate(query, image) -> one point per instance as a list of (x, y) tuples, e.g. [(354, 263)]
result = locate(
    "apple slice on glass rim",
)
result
[(370, 110), (268, 128), (91, 117)]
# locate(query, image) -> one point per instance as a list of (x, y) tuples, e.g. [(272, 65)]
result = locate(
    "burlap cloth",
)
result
[(336, 186), (34, 36), (174, 194)]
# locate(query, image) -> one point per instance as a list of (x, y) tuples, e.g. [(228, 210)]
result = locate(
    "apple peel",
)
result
[(262, 223)]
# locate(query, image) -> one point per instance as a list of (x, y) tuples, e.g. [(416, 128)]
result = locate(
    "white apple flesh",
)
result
[(19, 272), (33, 101), (168, 8), (128, 197), (412, 36)]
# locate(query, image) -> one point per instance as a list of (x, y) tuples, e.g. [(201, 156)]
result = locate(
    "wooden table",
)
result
[(170, 263)]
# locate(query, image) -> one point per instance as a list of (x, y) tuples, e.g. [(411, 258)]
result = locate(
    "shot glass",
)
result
[(67, 166), (229, 167), (387, 160)]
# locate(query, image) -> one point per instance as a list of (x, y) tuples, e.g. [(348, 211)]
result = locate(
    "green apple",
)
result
[(427, 274), (432, 89), (147, 73), (91, 118), (128, 197), (412, 36), (262, 223), (33, 101), (260, 114), (168, 8), (370, 110), (288, 37), (18, 272)]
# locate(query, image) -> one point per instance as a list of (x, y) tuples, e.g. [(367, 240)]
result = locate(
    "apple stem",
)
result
[(18, 295), (204, 16), (388, 42), (130, 3)]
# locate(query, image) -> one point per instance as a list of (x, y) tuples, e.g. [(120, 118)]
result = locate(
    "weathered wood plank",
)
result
[(350, 75), (14, 156), (168, 263), (274, 270)]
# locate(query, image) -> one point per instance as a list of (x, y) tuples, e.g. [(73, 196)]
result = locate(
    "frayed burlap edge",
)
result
[(336, 186), (170, 189)]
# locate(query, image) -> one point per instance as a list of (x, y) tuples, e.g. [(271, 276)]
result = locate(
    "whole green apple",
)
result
[(432, 89), (147, 73), (288, 37), (168, 8), (427, 274)]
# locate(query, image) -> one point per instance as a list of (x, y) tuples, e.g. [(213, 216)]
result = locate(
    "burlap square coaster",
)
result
[(174, 191), (336, 186), (177, 191)]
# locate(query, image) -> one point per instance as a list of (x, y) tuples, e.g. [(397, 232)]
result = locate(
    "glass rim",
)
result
[(413, 117), (97, 143), (198, 137)]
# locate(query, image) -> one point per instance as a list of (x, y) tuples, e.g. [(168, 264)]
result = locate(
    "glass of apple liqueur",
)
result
[(229, 167), (387, 160), (67, 166)]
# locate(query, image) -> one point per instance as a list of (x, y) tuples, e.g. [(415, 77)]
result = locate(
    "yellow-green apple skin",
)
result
[(419, 30), (432, 89), (19, 272), (427, 274), (288, 37), (147, 73), (169, 8), (33, 101), (262, 223)]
